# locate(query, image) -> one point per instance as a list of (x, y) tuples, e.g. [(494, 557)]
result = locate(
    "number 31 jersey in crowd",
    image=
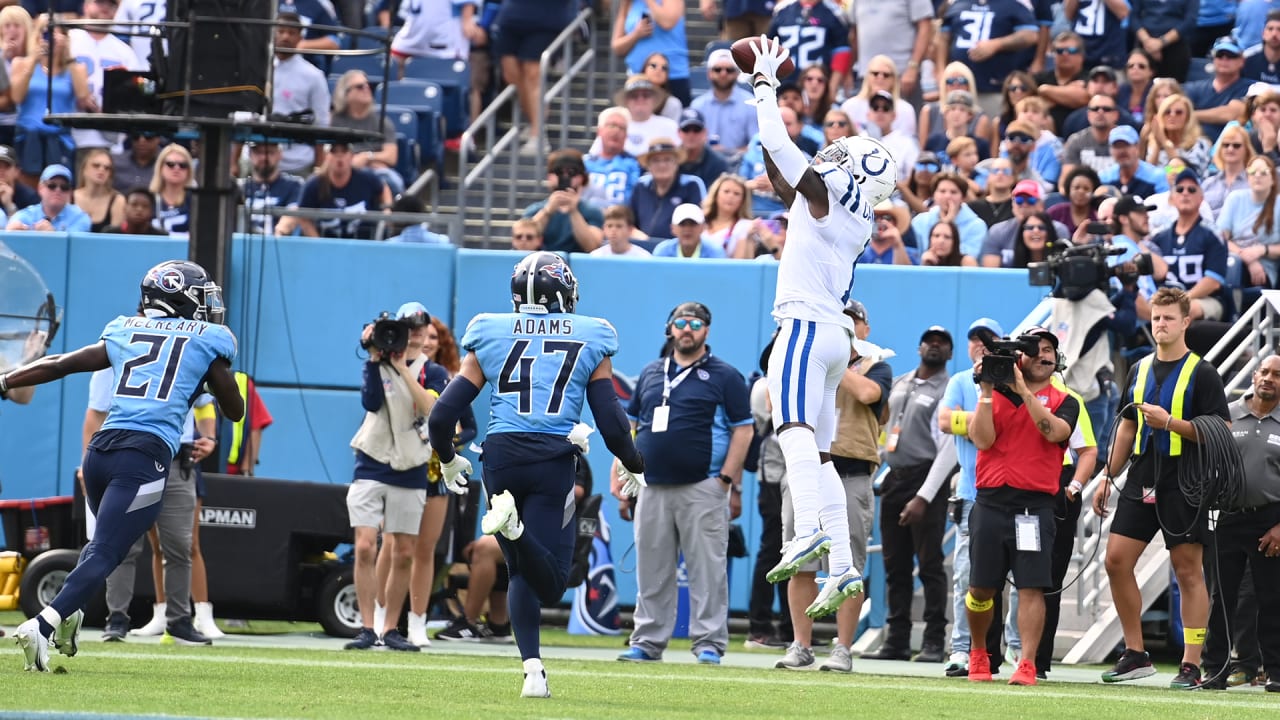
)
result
[(159, 366), (539, 366)]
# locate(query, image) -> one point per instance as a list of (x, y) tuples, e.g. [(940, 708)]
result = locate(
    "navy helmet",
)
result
[(543, 283), (182, 289)]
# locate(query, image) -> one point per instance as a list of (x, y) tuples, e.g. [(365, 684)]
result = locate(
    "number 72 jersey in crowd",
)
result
[(160, 365), (539, 366)]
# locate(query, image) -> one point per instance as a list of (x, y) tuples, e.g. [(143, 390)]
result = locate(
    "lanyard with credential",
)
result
[(662, 413)]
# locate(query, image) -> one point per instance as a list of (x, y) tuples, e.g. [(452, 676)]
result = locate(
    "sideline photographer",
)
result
[(1094, 295), (568, 222), (1021, 428), (389, 488)]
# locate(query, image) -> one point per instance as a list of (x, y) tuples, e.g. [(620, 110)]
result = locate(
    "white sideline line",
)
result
[(1204, 698)]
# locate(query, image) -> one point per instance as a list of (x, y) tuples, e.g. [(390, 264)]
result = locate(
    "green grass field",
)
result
[(244, 677)]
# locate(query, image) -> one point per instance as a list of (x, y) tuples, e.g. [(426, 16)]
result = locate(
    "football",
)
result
[(745, 57)]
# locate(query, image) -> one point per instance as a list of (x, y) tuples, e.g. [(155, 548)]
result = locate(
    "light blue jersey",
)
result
[(159, 366), (539, 366)]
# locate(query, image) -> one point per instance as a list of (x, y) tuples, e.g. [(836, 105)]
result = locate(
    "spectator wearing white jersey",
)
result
[(98, 50), (437, 28)]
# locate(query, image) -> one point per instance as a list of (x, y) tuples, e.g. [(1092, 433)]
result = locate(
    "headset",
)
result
[(696, 309)]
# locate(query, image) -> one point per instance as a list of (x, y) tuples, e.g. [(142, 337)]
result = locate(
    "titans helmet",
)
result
[(543, 283), (182, 289), (869, 162)]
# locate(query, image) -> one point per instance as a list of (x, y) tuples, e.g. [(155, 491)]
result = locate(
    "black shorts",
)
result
[(1170, 515), (993, 549), (527, 45)]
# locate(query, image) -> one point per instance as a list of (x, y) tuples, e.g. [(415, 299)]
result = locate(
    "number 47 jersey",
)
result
[(539, 366), (160, 365)]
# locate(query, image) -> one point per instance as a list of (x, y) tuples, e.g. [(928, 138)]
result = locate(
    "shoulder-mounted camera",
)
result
[(1076, 271)]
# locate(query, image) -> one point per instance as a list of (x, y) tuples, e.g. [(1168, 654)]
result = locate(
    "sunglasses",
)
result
[(658, 66), (358, 86), (1259, 173), (928, 167), (100, 166), (1101, 108), (1017, 88), (881, 107), (1226, 56), (1034, 228), (957, 81), (886, 74), (692, 323), (721, 70), (176, 164), (1067, 51), (1231, 145), (837, 123), (692, 129), (1020, 139), (57, 186), (1186, 189), (1025, 200), (1000, 171), (1175, 111)]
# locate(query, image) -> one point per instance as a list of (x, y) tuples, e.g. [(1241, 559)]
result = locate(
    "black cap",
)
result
[(855, 310), (1104, 70), (1043, 332), (8, 155), (1132, 203), (939, 331), (692, 309), (690, 118)]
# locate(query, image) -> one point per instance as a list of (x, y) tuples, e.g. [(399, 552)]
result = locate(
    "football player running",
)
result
[(162, 360), (830, 202), (543, 360)]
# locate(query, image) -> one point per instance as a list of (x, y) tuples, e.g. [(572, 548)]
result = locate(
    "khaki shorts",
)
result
[(396, 509), (861, 503)]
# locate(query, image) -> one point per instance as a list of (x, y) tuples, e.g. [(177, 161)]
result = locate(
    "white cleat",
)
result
[(66, 636), (502, 517), (535, 680), (35, 647), (835, 590), (798, 552), (156, 626)]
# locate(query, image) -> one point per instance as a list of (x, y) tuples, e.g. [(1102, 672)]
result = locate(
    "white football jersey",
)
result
[(815, 274)]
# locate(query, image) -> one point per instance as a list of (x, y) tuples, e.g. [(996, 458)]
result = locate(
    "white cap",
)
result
[(687, 211)]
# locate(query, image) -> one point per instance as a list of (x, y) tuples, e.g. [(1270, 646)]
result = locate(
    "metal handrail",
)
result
[(571, 68)]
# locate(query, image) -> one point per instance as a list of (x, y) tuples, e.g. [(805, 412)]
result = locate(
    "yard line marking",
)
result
[(997, 689)]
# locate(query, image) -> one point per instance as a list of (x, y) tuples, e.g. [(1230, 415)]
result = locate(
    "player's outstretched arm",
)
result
[(610, 420), (55, 367), (222, 383), (452, 405), (789, 170)]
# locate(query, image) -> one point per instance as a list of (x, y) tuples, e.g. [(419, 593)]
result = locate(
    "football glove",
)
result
[(455, 474), (770, 55), (578, 436), (631, 481)]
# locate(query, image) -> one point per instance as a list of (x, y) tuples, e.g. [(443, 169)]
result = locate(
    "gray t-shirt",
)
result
[(368, 123), (299, 86), (1002, 235), (1082, 148)]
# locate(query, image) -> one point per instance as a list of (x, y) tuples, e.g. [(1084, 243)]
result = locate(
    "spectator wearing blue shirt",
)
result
[(568, 222), (699, 159), (1164, 29), (1132, 175), (691, 412), (731, 123), (614, 172), (54, 212), (663, 188), (1251, 17), (688, 224), (887, 246), (1197, 257), (1220, 99)]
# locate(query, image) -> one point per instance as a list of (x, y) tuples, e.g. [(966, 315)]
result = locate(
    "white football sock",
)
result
[(800, 451)]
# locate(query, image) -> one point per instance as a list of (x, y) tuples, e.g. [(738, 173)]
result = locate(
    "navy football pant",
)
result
[(539, 561), (124, 489)]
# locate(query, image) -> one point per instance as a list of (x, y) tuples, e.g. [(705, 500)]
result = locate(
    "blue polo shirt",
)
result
[(1203, 96), (671, 248), (871, 257), (962, 394), (730, 124), (1148, 180), (653, 211), (71, 219), (706, 405)]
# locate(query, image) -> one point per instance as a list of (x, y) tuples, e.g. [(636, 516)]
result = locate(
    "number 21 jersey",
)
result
[(538, 366), (159, 366)]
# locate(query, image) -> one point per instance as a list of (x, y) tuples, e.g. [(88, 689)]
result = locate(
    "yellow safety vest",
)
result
[(1083, 423), (1172, 399), (237, 428)]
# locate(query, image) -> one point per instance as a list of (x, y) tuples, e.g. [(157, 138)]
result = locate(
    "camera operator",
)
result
[(567, 221), (1021, 428), (1165, 391), (390, 486)]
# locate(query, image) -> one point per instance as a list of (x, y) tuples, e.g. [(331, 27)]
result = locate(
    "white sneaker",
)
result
[(418, 630), (797, 552), (957, 664), (835, 590), (841, 660), (157, 624), (532, 146), (1012, 655), (204, 622), (379, 618), (35, 646), (535, 680), (67, 635), (502, 517)]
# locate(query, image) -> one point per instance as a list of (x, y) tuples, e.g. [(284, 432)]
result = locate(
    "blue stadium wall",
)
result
[(297, 307)]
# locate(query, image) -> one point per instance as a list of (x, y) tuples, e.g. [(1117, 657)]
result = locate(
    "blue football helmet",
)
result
[(543, 283), (182, 289)]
